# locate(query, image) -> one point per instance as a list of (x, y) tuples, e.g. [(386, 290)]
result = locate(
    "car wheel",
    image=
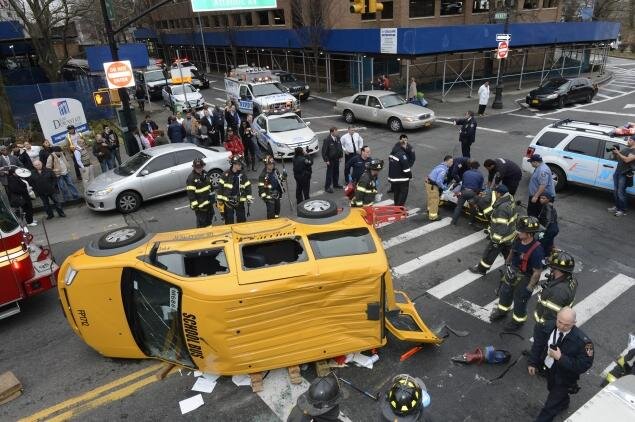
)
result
[(317, 208), (395, 124), (120, 237), (561, 102), (349, 117), (589, 98), (128, 201), (214, 177), (559, 178)]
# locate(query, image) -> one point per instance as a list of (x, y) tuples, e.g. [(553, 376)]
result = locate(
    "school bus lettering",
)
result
[(191, 335)]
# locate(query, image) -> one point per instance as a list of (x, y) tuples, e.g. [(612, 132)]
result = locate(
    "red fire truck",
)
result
[(26, 269)]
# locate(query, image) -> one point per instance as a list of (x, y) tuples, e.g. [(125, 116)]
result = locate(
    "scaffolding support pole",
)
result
[(522, 69), (581, 60), (216, 60), (443, 81), (286, 58), (472, 77), (329, 85), (542, 71), (563, 60), (304, 66), (407, 61)]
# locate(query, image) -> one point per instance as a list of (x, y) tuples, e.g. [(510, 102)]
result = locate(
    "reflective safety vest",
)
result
[(198, 188), (233, 195), (502, 228), (268, 188), (556, 294), (365, 191)]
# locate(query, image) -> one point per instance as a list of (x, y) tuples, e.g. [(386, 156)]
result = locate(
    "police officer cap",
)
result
[(376, 164), (562, 261), (323, 394), (501, 188), (405, 400)]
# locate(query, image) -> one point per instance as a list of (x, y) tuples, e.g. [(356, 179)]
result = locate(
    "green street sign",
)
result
[(222, 5), (110, 10), (500, 16)]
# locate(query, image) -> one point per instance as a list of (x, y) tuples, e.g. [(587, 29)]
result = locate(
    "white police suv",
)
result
[(577, 152), (280, 134)]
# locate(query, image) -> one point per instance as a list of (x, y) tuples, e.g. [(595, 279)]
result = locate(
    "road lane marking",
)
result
[(220, 99), (437, 254), (419, 231), (602, 95), (584, 105), (447, 122), (461, 280), (623, 84), (613, 364), (322, 132), (612, 90), (534, 117), (605, 112), (322, 117), (530, 136), (602, 297), (92, 394)]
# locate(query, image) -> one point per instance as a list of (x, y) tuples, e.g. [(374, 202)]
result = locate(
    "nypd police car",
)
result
[(280, 134)]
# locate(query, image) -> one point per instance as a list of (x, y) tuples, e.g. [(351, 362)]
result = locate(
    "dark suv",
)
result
[(561, 91), (296, 88)]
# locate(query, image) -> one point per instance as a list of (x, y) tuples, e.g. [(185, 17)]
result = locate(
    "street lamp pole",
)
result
[(498, 98)]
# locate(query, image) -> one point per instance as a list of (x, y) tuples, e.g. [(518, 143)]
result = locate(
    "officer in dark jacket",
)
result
[(234, 192), (198, 189), (566, 353), (45, 186), (459, 166), (502, 170), (218, 120), (320, 403), (559, 289), (332, 153), (302, 169), (270, 187), (366, 188), (358, 165), (467, 134), (400, 162)]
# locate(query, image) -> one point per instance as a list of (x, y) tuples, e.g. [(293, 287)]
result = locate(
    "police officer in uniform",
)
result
[(198, 189), (524, 266), (320, 403), (234, 192), (270, 187), (559, 289), (405, 400), (467, 133), (501, 229), (400, 162), (366, 188), (566, 353)]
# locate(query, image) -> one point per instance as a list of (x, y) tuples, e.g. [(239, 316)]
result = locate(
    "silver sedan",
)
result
[(385, 107), (152, 173)]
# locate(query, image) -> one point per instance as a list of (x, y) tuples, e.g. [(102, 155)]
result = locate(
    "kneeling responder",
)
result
[(501, 228), (270, 187), (234, 192), (524, 265), (366, 188), (435, 184), (320, 403), (405, 400), (198, 189), (559, 289)]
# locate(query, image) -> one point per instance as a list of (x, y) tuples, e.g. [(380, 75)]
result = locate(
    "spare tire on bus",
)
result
[(120, 237), (317, 208)]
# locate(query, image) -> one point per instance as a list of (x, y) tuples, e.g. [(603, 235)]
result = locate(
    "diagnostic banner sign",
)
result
[(222, 5)]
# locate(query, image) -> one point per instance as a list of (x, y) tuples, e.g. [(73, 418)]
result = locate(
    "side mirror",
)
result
[(144, 172)]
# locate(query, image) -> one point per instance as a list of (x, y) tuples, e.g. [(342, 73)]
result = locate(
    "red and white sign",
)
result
[(503, 49), (119, 74)]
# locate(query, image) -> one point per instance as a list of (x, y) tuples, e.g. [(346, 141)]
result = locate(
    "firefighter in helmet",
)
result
[(320, 403), (559, 289), (405, 400), (234, 192), (198, 189), (524, 266), (270, 187), (366, 188)]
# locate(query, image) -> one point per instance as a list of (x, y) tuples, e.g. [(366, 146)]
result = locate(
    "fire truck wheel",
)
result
[(120, 237), (317, 208)]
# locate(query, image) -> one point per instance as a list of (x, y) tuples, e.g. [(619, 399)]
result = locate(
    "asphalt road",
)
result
[(55, 366)]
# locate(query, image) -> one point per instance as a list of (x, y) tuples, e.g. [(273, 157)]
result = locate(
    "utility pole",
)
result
[(498, 98)]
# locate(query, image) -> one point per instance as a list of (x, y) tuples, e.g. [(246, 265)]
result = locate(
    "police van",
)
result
[(254, 90), (154, 78)]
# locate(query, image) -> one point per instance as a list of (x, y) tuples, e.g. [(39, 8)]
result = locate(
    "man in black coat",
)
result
[(148, 124), (302, 169), (332, 153), (400, 162), (566, 353), (45, 186), (502, 170), (467, 134)]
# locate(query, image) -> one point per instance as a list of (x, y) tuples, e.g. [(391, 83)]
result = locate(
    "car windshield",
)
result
[(178, 89), (132, 164), (265, 89), (8, 222), (153, 311), (154, 76), (392, 100), (286, 123), (554, 84)]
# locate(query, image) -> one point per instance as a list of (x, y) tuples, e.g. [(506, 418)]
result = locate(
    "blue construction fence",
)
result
[(23, 97)]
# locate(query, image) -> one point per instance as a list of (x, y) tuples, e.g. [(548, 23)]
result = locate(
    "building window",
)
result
[(204, 21), (278, 17), (530, 4), (388, 12), (369, 16), (237, 20), (421, 8), (186, 23), (223, 21), (263, 18), (451, 7), (481, 6), (177, 23), (248, 19), (213, 21), (549, 4)]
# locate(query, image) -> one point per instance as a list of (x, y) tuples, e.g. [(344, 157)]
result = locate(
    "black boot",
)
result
[(477, 269), (497, 314)]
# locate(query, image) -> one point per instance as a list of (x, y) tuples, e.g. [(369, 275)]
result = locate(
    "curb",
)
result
[(329, 100), (80, 202)]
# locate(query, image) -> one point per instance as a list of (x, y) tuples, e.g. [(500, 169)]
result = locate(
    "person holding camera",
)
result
[(302, 169), (623, 176)]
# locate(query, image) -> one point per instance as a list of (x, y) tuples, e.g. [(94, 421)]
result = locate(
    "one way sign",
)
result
[(503, 37)]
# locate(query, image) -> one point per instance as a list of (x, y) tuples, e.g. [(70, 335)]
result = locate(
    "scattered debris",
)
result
[(10, 387), (197, 374), (241, 380), (491, 355), (364, 392), (204, 385), (190, 404), (362, 360)]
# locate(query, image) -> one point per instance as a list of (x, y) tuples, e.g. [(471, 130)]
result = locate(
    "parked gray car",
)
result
[(152, 173), (385, 107)]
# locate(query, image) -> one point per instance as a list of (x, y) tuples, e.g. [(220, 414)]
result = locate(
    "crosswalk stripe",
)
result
[(442, 252), (611, 90), (602, 95), (419, 231), (602, 297), (613, 364), (459, 281)]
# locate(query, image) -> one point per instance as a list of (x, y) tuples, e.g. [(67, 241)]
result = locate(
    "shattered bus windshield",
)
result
[(153, 311)]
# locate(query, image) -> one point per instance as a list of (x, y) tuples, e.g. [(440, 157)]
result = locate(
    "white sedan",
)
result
[(281, 134), (176, 95)]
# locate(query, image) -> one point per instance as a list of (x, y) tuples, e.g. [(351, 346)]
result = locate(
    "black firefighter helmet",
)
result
[(376, 164), (528, 224), (405, 400), (562, 261), (236, 159), (322, 396)]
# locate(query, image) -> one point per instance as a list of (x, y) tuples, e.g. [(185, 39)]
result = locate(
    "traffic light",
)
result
[(358, 6), (374, 6), (101, 98)]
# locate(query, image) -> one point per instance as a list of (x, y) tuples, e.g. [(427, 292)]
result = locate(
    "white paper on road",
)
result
[(190, 404), (211, 377), (198, 374), (362, 360), (241, 380), (204, 385)]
